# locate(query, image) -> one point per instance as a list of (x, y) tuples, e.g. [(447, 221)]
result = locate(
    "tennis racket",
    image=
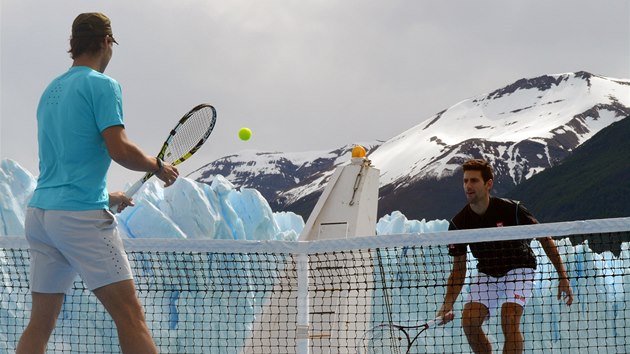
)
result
[(392, 338), (190, 133)]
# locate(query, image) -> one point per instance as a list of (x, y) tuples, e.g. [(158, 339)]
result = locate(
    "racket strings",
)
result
[(189, 134)]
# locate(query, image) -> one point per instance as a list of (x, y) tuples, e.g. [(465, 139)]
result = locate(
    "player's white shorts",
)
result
[(66, 243), (516, 286)]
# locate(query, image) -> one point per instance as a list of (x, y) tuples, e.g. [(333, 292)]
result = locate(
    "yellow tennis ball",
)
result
[(244, 134)]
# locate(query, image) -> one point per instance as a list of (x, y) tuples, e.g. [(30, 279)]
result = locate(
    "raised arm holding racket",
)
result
[(128, 155), (188, 135)]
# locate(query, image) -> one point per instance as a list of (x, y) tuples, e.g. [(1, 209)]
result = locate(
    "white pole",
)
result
[(302, 330)]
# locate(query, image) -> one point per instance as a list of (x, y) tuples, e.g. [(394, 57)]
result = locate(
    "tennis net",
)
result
[(215, 296)]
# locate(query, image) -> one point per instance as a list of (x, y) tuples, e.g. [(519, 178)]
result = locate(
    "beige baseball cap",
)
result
[(92, 24)]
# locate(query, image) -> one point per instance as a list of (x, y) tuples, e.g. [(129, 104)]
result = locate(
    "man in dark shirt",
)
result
[(505, 274)]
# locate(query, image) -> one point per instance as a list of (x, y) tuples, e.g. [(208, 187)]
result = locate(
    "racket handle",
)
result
[(129, 193), (438, 320), (134, 188)]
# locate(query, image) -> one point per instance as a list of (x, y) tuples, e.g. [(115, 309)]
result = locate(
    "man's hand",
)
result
[(120, 199), (565, 293), (446, 312), (167, 173)]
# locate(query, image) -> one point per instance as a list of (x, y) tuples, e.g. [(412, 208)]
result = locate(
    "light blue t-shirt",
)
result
[(73, 159)]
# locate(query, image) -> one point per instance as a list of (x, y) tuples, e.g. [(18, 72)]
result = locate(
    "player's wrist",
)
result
[(160, 166), (562, 273)]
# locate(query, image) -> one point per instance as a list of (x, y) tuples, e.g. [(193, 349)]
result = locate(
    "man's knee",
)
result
[(474, 315), (45, 310), (121, 302), (511, 314)]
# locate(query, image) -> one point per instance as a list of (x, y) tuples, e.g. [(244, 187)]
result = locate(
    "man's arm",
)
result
[(129, 155), (453, 287), (564, 287)]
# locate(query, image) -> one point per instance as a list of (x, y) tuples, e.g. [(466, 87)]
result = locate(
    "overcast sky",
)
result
[(303, 75)]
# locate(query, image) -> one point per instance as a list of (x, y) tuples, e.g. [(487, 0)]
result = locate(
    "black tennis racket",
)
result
[(392, 338), (190, 133)]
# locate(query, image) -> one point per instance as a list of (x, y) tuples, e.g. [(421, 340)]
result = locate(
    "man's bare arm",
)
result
[(564, 287), (453, 288)]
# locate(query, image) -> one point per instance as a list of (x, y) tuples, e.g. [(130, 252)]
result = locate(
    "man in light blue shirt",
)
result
[(73, 157), (68, 225)]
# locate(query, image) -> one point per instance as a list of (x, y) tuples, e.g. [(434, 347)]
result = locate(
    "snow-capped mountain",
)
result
[(522, 128), (274, 174)]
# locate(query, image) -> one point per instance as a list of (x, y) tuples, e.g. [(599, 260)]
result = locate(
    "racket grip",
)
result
[(129, 193), (438, 320)]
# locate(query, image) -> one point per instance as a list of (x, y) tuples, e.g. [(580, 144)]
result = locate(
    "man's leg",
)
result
[(472, 319), (511, 314), (121, 302), (44, 313)]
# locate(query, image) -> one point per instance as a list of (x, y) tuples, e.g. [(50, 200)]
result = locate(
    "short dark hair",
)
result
[(82, 45), (480, 165)]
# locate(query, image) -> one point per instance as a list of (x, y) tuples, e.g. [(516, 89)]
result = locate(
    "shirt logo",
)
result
[(519, 297)]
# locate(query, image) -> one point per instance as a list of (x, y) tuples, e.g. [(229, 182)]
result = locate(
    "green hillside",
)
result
[(592, 183)]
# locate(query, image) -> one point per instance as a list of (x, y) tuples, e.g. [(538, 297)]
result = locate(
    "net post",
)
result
[(303, 325)]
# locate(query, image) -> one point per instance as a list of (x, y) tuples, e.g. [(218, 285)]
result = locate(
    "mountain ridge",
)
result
[(522, 128)]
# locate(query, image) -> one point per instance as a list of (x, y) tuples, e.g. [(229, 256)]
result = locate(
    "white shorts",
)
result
[(516, 286), (66, 243)]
